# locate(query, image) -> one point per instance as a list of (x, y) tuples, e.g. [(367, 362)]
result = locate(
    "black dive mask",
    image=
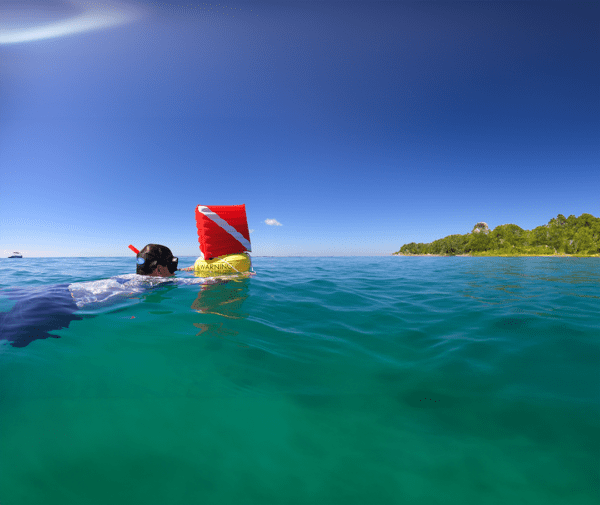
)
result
[(172, 265)]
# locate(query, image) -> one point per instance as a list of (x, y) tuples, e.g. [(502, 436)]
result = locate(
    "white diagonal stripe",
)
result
[(215, 218)]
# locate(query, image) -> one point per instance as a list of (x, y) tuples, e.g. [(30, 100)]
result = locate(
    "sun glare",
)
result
[(89, 16)]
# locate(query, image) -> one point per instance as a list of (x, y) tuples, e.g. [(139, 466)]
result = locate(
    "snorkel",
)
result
[(139, 261)]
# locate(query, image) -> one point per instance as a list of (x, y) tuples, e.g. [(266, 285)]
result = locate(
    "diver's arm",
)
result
[(243, 274)]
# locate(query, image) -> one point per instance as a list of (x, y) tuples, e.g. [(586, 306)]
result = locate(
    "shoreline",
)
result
[(501, 255)]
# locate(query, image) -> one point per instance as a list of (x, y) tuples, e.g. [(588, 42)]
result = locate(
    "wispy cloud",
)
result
[(273, 222), (250, 231)]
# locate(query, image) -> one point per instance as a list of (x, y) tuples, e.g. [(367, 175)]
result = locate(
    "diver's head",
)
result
[(156, 260)]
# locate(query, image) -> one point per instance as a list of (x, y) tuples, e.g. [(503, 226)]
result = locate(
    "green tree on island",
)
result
[(573, 235)]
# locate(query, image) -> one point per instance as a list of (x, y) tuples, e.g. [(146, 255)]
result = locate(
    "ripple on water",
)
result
[(443, 371)]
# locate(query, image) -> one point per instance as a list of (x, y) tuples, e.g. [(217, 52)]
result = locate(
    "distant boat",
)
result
[(16, 255)]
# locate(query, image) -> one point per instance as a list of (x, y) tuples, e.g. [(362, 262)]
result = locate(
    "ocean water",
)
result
[(373, 380)]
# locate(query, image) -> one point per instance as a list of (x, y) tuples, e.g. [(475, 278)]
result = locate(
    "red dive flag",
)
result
[(222, 229)]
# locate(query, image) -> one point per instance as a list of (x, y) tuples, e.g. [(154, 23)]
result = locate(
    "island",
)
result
[(562, 236)]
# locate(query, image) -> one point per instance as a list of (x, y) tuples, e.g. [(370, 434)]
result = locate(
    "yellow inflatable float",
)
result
[(227, 264)]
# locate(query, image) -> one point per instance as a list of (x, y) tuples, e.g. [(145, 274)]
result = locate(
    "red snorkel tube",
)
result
[(134, 249)]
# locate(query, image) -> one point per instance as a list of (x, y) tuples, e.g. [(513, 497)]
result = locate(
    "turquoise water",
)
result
[(319, 380)]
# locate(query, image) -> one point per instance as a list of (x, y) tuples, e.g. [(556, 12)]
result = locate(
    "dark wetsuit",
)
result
[(36, 313), (43, 310)]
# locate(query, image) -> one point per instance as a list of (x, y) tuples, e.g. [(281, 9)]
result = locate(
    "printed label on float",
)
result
[(216, 266)]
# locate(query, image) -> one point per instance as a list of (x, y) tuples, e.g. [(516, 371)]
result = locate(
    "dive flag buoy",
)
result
[(222, 229)]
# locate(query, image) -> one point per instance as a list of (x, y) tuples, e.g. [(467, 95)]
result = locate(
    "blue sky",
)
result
[(359, 126)]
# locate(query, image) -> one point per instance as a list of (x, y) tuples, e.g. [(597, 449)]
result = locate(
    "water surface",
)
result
[(319, 380)]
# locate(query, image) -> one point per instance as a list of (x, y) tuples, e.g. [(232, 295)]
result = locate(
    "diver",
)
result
[(36, 313)]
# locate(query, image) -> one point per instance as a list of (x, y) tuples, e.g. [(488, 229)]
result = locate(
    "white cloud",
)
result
[(250, 231), (273, 222)]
